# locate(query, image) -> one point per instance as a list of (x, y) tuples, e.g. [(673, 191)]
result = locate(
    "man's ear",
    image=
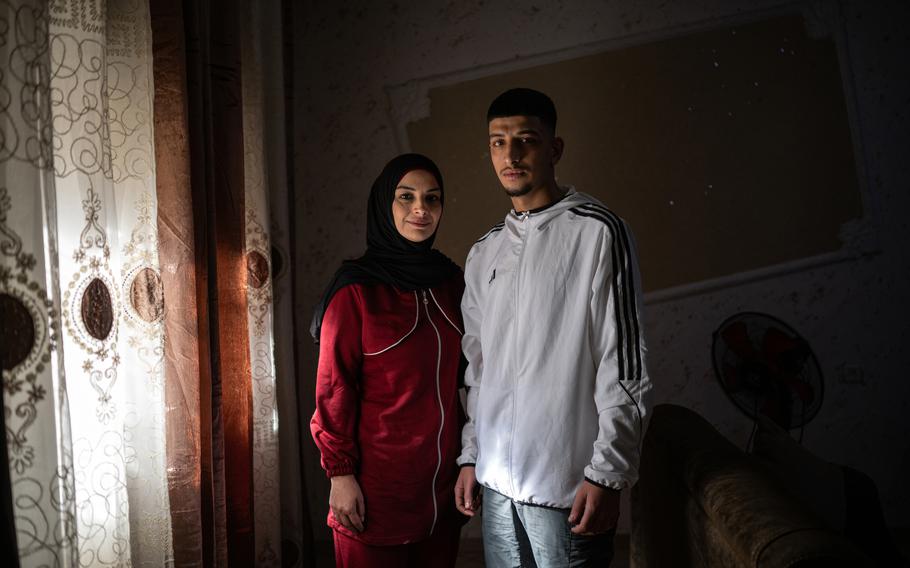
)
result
[(558, 147)]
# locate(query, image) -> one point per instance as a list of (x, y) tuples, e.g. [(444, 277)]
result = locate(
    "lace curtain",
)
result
[(35, 409), (259, 149), (111, 409), (86, 393)]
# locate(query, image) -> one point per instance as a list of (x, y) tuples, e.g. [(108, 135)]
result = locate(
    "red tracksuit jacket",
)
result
[(387, 408)]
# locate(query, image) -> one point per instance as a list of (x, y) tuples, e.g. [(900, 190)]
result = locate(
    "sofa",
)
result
[(702, 501)]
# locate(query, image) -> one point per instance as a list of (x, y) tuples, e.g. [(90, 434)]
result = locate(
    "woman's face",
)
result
[(417, 207)]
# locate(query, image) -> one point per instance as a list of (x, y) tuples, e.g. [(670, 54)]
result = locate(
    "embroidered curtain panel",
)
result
[(35, 408), (137, 285)]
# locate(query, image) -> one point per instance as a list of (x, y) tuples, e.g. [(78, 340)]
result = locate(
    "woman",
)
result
[(388, 418)]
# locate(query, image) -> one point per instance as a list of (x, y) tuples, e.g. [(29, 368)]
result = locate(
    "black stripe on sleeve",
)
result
[(622, 350), (496, 228), (621, 240), (628, 328), (628, 276)]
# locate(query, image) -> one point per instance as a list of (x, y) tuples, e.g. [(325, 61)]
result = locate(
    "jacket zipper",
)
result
[(442, 412), (515, 351)]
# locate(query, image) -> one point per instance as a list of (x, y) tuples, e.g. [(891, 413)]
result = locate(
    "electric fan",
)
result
[(765, 367)]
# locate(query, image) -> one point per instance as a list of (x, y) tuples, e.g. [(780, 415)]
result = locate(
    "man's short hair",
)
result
[(524, 102)]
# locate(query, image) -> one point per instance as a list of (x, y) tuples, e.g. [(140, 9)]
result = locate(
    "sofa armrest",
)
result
[(762, 524)]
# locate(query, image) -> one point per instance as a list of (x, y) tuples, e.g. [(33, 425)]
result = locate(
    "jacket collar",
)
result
[(543, 215)]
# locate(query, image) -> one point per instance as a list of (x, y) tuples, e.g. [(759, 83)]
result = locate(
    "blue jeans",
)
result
[(517, 535)]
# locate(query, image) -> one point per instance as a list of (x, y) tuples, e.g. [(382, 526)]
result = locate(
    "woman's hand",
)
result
[(467, 492), (346, 502)]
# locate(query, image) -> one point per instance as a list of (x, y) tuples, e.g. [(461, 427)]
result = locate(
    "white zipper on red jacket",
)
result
[(442, 412)]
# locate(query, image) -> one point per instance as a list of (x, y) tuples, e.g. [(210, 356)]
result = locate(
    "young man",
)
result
[(557, 385)]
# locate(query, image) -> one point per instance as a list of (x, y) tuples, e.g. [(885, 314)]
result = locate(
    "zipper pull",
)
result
[(425, 301)]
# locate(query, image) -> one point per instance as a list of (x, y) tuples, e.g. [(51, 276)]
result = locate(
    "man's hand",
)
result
[(467, 492), (346, 502), (595, 509)]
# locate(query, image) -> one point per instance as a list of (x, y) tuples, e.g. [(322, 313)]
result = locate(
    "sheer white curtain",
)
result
[(78, 179), (34, 399), (264, 173)]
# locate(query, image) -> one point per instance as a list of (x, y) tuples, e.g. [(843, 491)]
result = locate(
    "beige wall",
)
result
[(723, 153)]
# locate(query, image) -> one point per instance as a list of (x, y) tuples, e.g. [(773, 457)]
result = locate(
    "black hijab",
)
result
[(390, 258)]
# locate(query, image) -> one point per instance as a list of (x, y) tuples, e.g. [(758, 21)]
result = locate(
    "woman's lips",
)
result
[(420, 224)]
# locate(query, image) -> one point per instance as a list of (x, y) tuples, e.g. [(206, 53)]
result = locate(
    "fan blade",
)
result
[(803, 390), (736, 337), (731, 377), (776, 342)]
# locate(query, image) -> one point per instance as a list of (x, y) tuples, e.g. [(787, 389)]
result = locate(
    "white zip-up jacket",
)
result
[(556, 377)]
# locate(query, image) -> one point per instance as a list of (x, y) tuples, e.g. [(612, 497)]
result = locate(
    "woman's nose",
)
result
[(419, 207)]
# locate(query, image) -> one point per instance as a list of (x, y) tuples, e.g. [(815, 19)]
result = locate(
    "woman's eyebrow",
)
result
[(412, 189)]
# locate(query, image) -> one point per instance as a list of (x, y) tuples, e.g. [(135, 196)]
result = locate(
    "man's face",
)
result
[(524, 152)]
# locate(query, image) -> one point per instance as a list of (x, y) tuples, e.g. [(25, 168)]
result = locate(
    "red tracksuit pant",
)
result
[(438, 551)]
